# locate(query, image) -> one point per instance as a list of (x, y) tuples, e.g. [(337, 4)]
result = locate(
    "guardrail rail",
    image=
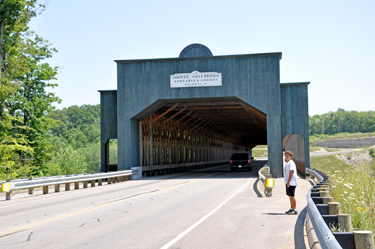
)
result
[(45, 182)]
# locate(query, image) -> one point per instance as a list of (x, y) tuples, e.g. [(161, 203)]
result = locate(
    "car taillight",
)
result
[(248, 161), (230, 161)]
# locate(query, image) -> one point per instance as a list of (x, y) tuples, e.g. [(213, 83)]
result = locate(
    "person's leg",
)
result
[(293, 202)]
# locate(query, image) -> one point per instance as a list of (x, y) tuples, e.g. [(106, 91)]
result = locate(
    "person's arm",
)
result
[(291, 172)]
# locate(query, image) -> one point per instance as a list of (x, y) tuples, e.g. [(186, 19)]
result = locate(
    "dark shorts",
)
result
[(291, 190)]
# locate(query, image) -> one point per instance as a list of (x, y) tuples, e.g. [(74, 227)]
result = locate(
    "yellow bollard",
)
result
[(268, 185), (5, 187), (270, 182)]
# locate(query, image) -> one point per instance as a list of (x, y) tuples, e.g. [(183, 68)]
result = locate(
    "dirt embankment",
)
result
[(358, 157)]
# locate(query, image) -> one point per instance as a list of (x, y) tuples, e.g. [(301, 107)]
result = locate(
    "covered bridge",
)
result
[(199, 108)]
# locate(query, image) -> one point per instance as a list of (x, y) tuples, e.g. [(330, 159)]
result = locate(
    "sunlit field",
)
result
[(353, 185)]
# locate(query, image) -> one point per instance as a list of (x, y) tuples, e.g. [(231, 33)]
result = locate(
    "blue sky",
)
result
[(328, 43)]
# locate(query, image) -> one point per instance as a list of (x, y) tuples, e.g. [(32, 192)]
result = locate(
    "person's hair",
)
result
[(288, 152)]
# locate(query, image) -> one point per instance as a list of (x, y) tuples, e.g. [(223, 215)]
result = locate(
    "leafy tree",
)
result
[(67, 161), (31, 102), (79, 125), (24, 103), (342, 121)]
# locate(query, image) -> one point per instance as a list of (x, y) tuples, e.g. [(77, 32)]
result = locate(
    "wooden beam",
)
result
[(190, 119), (183, 109), (170, 109), (184, 116), (247, 109)]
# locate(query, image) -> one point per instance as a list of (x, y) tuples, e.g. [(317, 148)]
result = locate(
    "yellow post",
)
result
[(6, 188), (270, 182)]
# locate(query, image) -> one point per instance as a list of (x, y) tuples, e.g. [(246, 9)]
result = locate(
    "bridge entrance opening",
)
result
[(188, 134)]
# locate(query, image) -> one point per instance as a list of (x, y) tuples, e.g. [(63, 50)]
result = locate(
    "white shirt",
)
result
[(290, 166)]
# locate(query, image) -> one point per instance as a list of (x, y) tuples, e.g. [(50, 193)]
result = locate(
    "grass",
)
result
[(328, 164), (263, 151), (353, 187), (323, 137)]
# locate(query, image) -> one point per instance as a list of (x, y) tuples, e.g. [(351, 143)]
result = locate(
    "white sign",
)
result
[(195, 79)]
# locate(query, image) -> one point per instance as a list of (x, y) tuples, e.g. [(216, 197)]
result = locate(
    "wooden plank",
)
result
[(167, 111)]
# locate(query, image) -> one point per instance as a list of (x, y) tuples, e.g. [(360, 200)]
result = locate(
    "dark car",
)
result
[(241, 161)]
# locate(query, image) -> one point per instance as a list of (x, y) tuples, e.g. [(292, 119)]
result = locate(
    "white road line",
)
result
[(181, 235)]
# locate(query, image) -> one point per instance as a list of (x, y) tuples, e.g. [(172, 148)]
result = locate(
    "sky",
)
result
[(330, 44)]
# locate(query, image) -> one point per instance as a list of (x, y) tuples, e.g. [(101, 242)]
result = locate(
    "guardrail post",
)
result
[(67, 186), (45, 190), (85, 184), (334, 208), (92, 183), (100, 181), (344, 222), (31, 190), (327, 199), (109, 179), (57, 188), (363, 239), (324, 194), (8, 195), (76, 185)]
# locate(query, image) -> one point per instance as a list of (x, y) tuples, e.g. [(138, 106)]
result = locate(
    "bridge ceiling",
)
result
[(230, 121)]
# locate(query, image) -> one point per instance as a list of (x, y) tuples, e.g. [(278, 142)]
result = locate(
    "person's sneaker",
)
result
[(292, 212), (288, 212)]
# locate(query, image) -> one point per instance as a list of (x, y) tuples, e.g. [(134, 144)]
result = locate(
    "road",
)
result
[(207, 208)]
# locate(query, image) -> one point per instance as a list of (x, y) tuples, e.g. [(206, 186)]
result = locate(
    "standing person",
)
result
[(290, 177)]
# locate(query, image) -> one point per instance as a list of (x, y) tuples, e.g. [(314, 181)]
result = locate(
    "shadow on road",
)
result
[(255, 188)]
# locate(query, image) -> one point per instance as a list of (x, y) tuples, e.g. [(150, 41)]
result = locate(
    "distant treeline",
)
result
[(342, 121), (78, 128)]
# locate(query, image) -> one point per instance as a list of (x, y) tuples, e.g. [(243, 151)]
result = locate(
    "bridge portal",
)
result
[(199, 108)]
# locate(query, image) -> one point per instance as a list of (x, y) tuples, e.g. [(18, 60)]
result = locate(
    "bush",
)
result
[(372, 152), (67, 161)]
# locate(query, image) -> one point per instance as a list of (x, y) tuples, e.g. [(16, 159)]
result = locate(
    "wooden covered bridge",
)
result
[(198, 109)]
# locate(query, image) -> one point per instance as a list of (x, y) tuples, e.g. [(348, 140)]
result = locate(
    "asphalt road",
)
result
[(208, 208)]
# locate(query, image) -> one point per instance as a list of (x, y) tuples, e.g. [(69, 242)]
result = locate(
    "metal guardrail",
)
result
[(58, 180), (265, 176), (326, 238)]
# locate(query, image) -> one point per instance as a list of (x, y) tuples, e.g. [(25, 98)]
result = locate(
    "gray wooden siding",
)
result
[(295, 109), (108, 121), (254, 79)]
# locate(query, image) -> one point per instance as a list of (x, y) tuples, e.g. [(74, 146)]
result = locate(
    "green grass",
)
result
[(260, 152), (263, 151), (353, 187), (323, 137), (328, 164)]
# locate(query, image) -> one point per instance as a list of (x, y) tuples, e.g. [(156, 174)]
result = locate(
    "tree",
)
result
[(31, 102), (79, 125), (24, 101)]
